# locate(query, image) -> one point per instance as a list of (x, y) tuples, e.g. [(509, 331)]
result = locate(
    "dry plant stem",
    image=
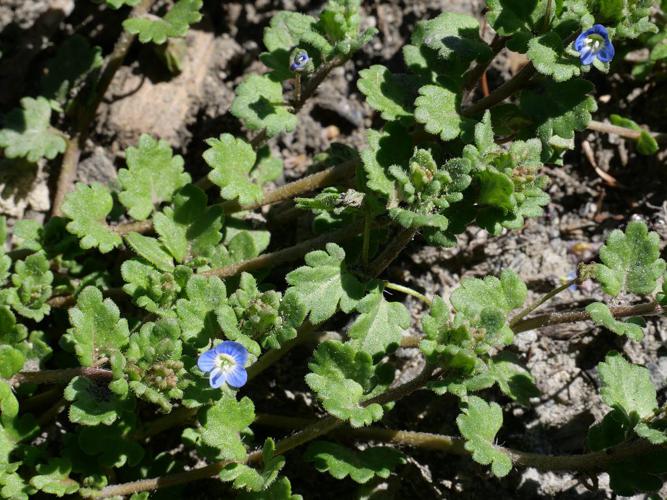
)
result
[(627, 133), (86, 109), (588, 462), (59, 376), (313, 431), (546, 297), (288, 191)]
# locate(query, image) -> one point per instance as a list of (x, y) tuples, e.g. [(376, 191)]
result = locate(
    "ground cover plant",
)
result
[(140, 322)]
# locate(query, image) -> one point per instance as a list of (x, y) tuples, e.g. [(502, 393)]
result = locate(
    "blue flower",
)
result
[(226, 364), (592, 43), (299, 61)]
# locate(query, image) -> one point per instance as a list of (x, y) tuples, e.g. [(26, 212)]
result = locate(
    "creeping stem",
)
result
[(546, 297)]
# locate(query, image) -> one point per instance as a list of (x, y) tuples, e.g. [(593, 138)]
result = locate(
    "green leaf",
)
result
[(249, 479), (496, 190), (361, 466), (232, 160), (97, 329), (11, 361), (259, 105), (151, 250), (88, 207), (479, 423), (175, 23), (380, 325), (393, 95), (646, 144), (486, 303), (324, 284), (559, 108), (342, 379), (74, 59), (32, 281), (92, 404), (198, 313), (53, 478), (390, 147), (152, 176), (268, 168), (509, 16), (113, 447), (27, 132), (630, 261), (627, 387), (281, 489), (222, 425), (437, 109), (550, 58), (601, 315), (340, 19), (189, 229), (512, 378)]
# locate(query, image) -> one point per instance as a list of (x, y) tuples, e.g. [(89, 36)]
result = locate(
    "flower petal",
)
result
[(607, 53), (237, 377), (217, 378), (233, 349), (587, 57), (598, 29), (206, 361), (580, 42)]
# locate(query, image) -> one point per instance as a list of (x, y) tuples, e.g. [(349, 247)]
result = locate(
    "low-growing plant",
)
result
[(147, 307)]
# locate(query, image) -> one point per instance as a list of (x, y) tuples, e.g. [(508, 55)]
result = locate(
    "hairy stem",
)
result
[(86, 108), (391, 251), (589, 462), (546, 297), (59, 376), (408, 291), (627, 133), (288, 191), (313, 431)]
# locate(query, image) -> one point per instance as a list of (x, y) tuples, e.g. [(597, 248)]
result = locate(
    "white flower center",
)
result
[(594, 43), (225, 362)]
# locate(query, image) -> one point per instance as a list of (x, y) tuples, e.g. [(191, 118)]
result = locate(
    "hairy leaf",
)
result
[(509, 16), (324, 284), (222, 424), (393, 95), (479, 423), (152, 176), (32, 281), (249, 479), (550, 58), (630, 261), (92, 404), (175, 23), (53, 478), (27, 132), (361, 466), (601, 315), (232, 160), (88, 207), (150, 250), (437, 109)]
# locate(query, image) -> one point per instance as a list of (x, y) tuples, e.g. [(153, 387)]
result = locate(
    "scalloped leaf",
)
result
[(479, 423), (361, 466), (53, 478), (630, 261), (232, 160), (601, 315), (92, 404), (175, 22), (380, 324), (342, 379), (437, 109), (281, 489), (32, 281), (455, 38), (151, 250), (259, 105), (548, 55), (390, 147), (222, 424), (627, 388), (249, 479), (393, 95), (154, 173), (324, 284), (97, 328), (509, 16), (88, 207), (27, 132)]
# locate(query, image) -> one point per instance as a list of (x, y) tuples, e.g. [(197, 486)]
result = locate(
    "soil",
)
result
[(187, 109)]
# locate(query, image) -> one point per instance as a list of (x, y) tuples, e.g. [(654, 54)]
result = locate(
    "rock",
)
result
[(163, 108)]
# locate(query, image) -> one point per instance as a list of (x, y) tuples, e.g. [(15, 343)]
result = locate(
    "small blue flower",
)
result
[(592, 43), (226, 364), (299, 61)]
